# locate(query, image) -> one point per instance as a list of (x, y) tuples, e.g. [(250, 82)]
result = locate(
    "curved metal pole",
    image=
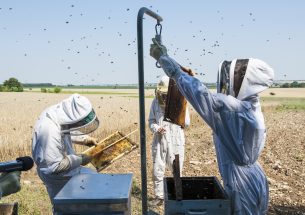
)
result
[(141, 12)]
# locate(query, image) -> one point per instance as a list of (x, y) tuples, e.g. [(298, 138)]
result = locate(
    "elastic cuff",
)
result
[(169, 65), (75, 161), (176, 76)]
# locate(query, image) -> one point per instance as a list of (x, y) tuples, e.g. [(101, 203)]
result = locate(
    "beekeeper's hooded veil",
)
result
[(243, 78), (52, 142), (161, 90), (76, 115)]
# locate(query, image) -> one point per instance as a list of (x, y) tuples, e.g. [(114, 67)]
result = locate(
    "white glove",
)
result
[(85, 159), (85, 140), (91, 141), (157, 50)]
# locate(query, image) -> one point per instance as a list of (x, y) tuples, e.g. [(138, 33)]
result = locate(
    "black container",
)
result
[(201, 196)]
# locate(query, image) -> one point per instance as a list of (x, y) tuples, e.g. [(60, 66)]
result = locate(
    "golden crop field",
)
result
[(19, 111), (283, 157)]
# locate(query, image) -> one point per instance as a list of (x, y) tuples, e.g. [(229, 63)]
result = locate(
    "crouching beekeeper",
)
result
[(234, 114), (168, 140), (56, 128)]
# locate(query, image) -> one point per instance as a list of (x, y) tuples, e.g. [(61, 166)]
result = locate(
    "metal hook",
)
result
[(156, 28), (158, 38), (158, 65)]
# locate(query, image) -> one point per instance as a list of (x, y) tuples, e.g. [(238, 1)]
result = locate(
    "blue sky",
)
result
[(94, 42)]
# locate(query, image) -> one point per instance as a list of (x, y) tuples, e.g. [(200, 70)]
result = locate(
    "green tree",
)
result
[(13, 85), (301, 85), (286, 85), (57, 90), (294, 84)]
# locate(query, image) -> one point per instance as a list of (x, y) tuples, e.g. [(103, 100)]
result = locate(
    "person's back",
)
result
[(48, 150), (239, 137)]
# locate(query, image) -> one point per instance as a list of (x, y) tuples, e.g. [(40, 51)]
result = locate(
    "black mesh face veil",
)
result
[(239, 74), (224, 81), (85, 126), (161, 96)]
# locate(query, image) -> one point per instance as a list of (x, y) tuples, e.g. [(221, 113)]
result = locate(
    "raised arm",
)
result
[(204, 102), (197, 94)]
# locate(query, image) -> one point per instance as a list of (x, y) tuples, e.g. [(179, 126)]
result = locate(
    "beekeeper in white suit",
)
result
[(235, 116), (52, 143), (168, 140)]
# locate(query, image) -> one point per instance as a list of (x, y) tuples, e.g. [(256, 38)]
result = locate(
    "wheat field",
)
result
[(19, 111)]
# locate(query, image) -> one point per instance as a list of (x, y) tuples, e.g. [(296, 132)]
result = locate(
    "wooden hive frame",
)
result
[(110, 149)]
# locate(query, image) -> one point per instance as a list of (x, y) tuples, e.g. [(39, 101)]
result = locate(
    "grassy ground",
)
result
[(284, 103), (34, 200)]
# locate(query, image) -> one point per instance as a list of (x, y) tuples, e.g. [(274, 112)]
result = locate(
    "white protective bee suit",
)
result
[(52, 144), (238, 128), (166, 145)]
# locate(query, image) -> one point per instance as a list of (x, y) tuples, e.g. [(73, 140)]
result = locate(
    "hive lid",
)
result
[(95, 189)]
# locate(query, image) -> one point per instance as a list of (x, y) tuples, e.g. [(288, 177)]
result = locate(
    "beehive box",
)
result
[(200, 195), (110, 149)]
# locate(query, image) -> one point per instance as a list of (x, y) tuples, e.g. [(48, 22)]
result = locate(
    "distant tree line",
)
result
[(294, 84), (38, 85), (13, 85)]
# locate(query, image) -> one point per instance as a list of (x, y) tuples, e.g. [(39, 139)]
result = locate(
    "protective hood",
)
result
[(243, 78), (76, 115), (163, 84)]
